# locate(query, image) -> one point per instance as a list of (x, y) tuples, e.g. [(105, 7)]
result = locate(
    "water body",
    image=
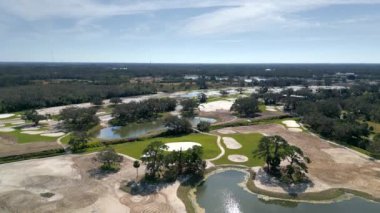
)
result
[(140, 129), (221, 194), (196, 120), (131, 130)]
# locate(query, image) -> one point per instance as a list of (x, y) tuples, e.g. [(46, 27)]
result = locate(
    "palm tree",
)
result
[(136, 165)]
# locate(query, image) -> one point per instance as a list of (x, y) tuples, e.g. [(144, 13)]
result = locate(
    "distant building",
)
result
[(191, 77)]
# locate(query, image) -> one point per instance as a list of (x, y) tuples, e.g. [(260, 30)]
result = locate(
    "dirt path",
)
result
[(333, 165)]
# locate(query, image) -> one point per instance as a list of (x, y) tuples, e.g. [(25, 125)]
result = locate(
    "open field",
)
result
[(135, 149), (332, 166), (249, 143)]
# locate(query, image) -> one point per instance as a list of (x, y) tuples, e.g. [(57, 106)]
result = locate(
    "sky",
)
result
[(190, 31)]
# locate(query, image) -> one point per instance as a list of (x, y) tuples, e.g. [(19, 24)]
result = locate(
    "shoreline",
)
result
[(322, 197)]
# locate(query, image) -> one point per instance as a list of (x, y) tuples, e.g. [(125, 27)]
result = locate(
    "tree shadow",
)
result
[(293, 190)]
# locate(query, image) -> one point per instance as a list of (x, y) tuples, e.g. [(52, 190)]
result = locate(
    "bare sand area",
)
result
[(73, 183), (231, 143), (223, 105), (177, 146), (332, 166), (238, 158), (6, 115)]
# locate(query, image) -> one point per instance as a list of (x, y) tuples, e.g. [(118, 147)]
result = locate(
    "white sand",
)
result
[(7, 129), (291, 124), (223, 105), (7, 115), (226, 131), (55, 134), (31, 128), (238, 158), (177, 146), (271, 108), (295, 129), (32, 132), (231, 143)]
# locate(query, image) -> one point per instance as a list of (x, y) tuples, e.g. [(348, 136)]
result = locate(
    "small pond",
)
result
[(221, 193), (140, 129), (131, 130), (196, 120)]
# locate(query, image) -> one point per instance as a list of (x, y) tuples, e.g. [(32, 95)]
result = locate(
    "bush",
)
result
[(203, 126)]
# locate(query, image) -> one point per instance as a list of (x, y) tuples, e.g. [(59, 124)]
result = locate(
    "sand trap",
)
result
[(226, 131), (291, 124), (31, 128), (231, 143), (238, 158), (7, 115), (7, 129), (295, 129), (271, 108), (32, 132), (216, 105), (55, 134), (181, 145)]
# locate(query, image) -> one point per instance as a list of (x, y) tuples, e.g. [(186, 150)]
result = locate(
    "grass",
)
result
[(249, 143), (26, 138), (262, 108), (135, 149)]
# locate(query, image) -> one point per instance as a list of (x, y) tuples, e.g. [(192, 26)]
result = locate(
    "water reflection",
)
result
[(221, 193)]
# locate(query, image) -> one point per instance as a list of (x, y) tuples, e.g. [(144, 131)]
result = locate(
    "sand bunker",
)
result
[(216, 105), (54, 134), (344, 156), (31, 128), (226, 131), (271, 108), (231, 143), (291, 124), (238, 158), (7, 115), (7, 129), (295, 129), (177, 146), (32, 132)]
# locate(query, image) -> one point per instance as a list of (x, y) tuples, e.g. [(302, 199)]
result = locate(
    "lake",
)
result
[(221, 193)]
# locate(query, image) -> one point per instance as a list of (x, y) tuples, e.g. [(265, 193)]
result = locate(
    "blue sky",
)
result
[(186, 31)]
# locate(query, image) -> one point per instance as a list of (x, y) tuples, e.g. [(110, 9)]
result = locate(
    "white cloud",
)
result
[(227, 16)]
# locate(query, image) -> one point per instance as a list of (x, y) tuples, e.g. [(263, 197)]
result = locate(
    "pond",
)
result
[(131, 130), (221, 193), (140, 129), (195, 121)]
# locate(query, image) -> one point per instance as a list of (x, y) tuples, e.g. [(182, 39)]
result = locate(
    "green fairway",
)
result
[(135, 149), (26, 138), (249, 143)]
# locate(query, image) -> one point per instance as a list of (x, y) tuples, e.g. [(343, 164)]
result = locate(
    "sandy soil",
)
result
[(177, 146), (54, 134), (291, 124), (32, 132), (332, 166), (237, 158), (77, 186), (7, 129), (10, 147), (226, 131), (231, 143), (222, 105), (295, 129), (271, 108), (6, 115)]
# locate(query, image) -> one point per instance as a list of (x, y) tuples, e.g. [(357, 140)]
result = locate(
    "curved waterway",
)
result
[(221, 192)]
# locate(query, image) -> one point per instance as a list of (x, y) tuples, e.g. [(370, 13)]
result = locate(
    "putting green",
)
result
[(249, 143)]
